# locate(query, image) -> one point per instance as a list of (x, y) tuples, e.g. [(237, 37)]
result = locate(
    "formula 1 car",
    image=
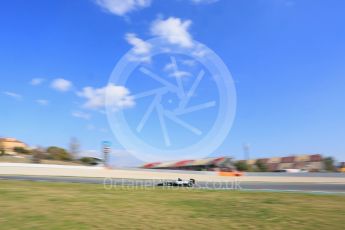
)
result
[(178, 183)]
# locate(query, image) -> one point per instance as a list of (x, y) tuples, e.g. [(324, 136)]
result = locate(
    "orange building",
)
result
[(8, 144)]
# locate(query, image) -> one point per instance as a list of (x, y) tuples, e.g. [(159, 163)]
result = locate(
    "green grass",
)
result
[(43, 205)]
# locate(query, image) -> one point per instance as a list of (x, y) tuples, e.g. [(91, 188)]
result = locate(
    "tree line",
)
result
[(260, 166), (54, 153)]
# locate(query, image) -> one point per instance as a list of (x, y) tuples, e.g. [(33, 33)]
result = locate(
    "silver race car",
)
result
[(178, 183)]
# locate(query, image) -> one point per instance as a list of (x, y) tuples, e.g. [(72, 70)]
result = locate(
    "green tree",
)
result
[(90, 160), (37, 155), (57, 153), (241, 166), (261, 166), (329, 163), (21, 150)]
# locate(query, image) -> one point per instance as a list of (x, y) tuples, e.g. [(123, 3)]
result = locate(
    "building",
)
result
[(341, 167), (306, 162), (8, 145), (206, 164), (310, 163)]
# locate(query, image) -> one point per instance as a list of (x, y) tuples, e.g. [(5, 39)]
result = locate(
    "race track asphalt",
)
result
[(230, 185)]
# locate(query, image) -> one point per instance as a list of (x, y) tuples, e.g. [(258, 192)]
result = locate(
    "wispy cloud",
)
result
[(141, 49), (180, 74), (13, 95), (82, 115), (42, 102), (170, 66), (199, 51), (118, 97), (122, 7), (61, 84), (173, 71), (174, 30), (37, 81)]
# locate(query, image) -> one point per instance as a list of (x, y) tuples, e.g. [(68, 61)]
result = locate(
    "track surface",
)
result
[(140, 183)]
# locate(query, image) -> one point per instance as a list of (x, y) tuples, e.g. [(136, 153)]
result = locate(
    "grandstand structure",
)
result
[(311, 163), (206, 164), (306, 162)]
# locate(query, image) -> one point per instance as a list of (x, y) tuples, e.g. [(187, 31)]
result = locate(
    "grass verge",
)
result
[(43, 205)]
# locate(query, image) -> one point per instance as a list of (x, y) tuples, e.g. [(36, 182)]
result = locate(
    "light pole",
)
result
[(106, 150), (246, 150)]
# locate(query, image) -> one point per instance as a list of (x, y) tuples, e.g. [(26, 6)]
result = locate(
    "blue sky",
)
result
[(286, 59)]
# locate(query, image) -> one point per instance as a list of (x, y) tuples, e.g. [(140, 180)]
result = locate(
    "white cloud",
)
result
[(82, 115), (36, 81), (42, 102), (180, 74), (61, 84), (141, 49), (173, 71), (199, 51), (174, 30), (170, 66), (122, 7), (140, 46), (118, 97), (13, 95)]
